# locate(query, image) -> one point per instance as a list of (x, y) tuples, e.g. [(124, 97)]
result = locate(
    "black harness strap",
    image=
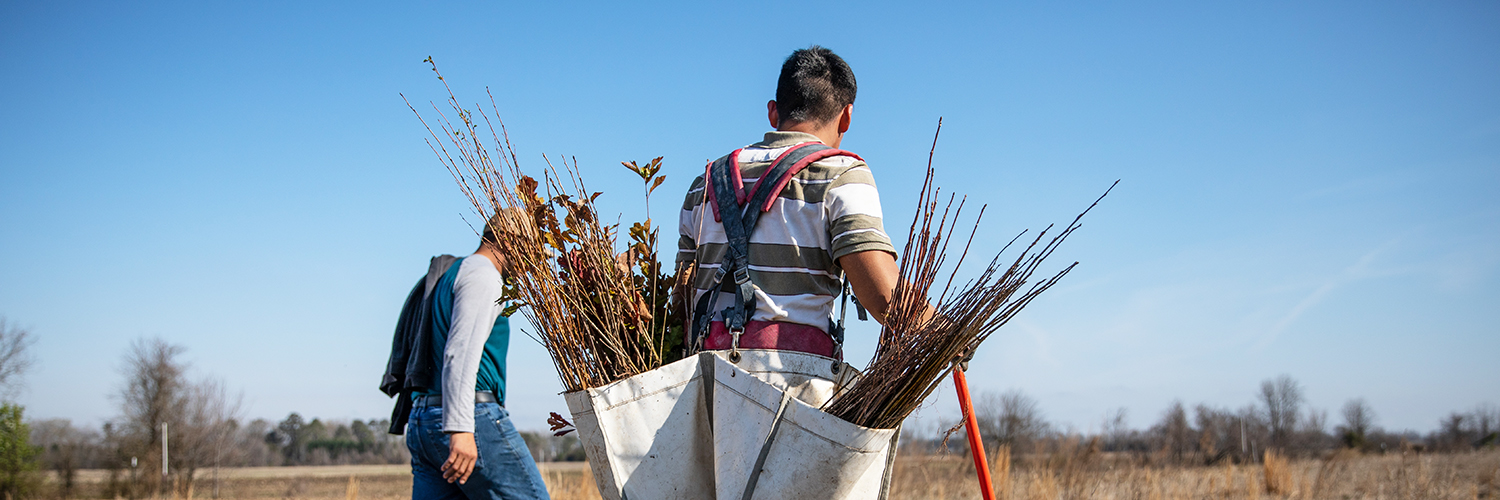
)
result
[(739, 222)]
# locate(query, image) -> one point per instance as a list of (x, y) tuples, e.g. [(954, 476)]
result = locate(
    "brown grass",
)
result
[(1108, 476), (1278, 475), (1062, 475), (1000, 472), (566, 481)]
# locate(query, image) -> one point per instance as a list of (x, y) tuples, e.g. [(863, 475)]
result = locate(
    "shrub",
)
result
[(18, 476)]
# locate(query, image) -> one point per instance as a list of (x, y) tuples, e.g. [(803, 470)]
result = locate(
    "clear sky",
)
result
[(1308, 188)]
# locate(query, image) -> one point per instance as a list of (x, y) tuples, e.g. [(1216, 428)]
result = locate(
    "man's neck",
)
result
[(828, 133), (491, 254)]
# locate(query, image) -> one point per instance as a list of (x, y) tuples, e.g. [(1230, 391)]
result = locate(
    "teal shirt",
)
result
[(491, 375)]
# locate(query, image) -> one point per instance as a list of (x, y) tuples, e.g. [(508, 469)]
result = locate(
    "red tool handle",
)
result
[(976, 446)]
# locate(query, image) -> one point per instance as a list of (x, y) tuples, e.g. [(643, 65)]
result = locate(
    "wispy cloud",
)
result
[(1360, 269), (1364, 186)]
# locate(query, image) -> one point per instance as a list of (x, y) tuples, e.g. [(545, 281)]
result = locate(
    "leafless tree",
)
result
[(1312, 432), (1485, 420), (205, 429), (65, 449), (1116, 429), (201, 416), (1454, 433), (153, 394), (1174, 436), (1315, 422), (251, 442), (1011, 418), (1359, 420), (15, 357), (1218, 433), (1282, 401)]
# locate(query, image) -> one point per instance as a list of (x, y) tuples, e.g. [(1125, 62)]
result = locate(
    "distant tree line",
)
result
[(296, 441), (204, 427), (1278, 420)]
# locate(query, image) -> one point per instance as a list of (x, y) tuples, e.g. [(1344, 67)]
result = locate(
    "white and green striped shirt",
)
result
[(829, 209)]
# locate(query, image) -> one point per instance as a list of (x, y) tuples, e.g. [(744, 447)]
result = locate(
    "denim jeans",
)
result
[(504, 470)]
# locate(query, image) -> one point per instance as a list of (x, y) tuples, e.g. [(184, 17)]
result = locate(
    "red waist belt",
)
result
[(772, 335)]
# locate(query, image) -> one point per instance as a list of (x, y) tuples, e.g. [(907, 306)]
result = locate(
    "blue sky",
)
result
[(1308, 188)]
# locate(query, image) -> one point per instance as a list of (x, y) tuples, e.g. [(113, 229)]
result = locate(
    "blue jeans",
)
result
[(504, 470)]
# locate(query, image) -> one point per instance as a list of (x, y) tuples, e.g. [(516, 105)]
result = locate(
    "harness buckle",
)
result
[(734, 346), (741, 274), (697, 344)]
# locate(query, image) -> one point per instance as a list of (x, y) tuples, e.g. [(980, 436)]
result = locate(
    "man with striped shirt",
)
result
[(823, 226)]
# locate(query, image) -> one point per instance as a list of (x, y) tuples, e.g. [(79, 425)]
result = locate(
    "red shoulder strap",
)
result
[(741, 194), (797, 167), (734, 175)]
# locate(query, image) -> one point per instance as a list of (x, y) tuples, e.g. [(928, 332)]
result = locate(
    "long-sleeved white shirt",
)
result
[(476, 290)]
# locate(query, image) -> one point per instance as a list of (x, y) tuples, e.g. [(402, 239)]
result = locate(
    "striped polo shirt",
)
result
[(829, 209)]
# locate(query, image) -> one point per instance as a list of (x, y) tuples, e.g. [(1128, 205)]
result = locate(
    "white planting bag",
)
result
[(654, 436), (647, 436), (771, 441)]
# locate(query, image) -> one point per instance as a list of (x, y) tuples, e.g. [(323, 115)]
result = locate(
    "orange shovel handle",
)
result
[(976, 446)]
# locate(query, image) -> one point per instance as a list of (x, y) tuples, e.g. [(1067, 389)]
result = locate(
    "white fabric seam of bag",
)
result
[(644, 396)]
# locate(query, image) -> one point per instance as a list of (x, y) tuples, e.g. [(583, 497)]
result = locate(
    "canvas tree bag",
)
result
[(705, 427)]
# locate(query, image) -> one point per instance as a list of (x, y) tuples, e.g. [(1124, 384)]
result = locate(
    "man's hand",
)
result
[(461, 457)]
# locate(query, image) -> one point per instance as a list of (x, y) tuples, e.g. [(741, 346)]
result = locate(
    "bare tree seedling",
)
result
[(924, 336)]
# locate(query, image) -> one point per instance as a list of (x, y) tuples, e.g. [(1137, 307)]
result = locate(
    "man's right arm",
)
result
[(872, 275), (858, 240)]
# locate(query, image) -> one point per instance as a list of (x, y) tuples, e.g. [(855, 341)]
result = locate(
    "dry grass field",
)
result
[(1342, 476), (348, 482)]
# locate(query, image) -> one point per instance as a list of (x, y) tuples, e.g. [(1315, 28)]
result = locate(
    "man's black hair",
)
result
[(815, 85)]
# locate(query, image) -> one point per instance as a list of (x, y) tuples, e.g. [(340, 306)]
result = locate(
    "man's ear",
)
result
[(772, 114), (846, 117)]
